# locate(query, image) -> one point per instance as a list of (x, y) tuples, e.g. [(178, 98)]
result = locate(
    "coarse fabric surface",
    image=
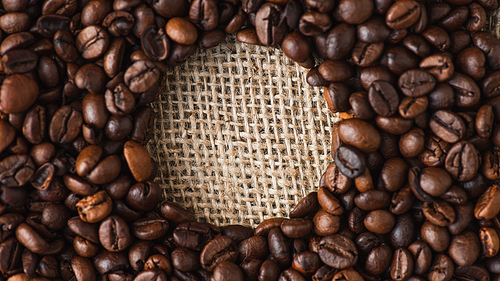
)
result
[(239, 134)]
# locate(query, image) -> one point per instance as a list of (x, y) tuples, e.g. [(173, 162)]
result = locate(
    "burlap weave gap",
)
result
[(240, 136)]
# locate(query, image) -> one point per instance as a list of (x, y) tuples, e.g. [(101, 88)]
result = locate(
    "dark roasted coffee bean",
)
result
[(477, 18), (270, 30), (447, 125), (338, 251), (383, 98), (150, 228), (306, 206), (350, 161), (402, 264), (337, 93), (402, 200), (216, 251), (402, 235), (487, 206), (360, 106), (366, 54), (439, 213), (402, 14), (336, 71), (399, 60), (437, 237), (359, 134), (422, 256), (416, 83), (462, 161), (417, 44), (437, 36), (464, 248), (378, 260), (337, 43), (114, 234)]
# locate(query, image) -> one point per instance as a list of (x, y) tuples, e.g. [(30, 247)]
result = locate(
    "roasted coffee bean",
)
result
[(489, 241), (439, 213), (216, 251), (442, 268), (338, 251), (383, 98), (399, 60), (337, 43), (403, 232), (351, 15), (394, 125), (462, 161), (92, 42), (403, 14), (359, 134), (372, 200), (65, 124), (487, 206), (141, 76), (150, 228), (94, 208), (422, 256), (447, 125), (114, 234), (416, 83), (306, 206), (378, 260), (437, 237), (402, 264), (464, 248), (336, 94), (417, 45), (350, 161), (270, 30), (402, 200)]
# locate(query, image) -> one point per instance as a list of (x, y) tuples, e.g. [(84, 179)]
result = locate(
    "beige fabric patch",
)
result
[(240, 136)]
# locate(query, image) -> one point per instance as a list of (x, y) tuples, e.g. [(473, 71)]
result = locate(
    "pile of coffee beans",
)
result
[(410, 195)]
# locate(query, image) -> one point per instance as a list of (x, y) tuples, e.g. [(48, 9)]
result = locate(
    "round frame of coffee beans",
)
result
[(410, 193)]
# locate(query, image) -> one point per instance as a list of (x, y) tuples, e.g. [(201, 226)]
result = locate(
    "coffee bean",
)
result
[(447, 125), (442, 268), (437, 237), (350, 161), (114, 234), (464, 248), (383, 98), (439, 213), (462, 161), (401, 265), (403, 14), (378, 260), (359, 134), (337, 43), (487, 206), (94, 208), (416, 83), (306, 206), (338, 251)]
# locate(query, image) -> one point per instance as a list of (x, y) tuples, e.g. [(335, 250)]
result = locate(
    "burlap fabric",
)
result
[(240, 136)]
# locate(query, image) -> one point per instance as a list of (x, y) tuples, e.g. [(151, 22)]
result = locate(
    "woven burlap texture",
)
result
[(240, 136)]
